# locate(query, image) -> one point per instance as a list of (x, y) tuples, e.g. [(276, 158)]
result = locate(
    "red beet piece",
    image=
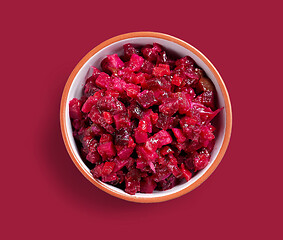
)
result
[(103, 80), (120, 163), (186, 61), (129, 50), (144, 153), (125, 152), (179, 135), (93, 157), (166, 150), (75, 109), (161, 70), (108, 168), (158, 84), (106, 150), (145, 124), (173, 166), (169, 106), (177, 80), (201, 160), (118, 85), (147, 67), (112, 63), (207, 99), (135, 63), (146, 98), (91, 101), (110, 177), (108, 118), (97, 170), (110, 104), (164, 121), (140, 136), (122, 121), (158, 140), (132, 182), (162, 172), (132, 90), (168, 183), (151, 52), (147, 185), (105, 138), (122, 137), (186, 173)]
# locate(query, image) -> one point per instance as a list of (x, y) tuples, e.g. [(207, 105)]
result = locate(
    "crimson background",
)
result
[(44, 196)]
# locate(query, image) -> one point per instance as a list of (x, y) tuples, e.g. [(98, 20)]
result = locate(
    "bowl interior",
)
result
[(117, 47)]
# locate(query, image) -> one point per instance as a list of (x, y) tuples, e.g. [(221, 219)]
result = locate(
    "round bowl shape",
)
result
[(173, 45)]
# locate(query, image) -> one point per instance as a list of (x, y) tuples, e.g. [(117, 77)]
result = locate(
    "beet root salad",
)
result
[(143, 122)]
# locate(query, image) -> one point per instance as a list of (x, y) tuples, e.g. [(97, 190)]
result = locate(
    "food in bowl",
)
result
[(143, 122)]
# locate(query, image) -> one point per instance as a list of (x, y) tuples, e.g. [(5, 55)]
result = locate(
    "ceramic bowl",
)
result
[(178, 47)]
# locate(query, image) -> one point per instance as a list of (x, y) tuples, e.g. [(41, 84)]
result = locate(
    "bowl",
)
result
[(74, 86)]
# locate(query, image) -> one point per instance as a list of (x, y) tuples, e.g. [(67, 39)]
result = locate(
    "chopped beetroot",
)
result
[(122, 137), (179, 135), (158, 140), (162, 58), (112, 63), (177, 80), (132, 90), (109, 177), (167, 183), (89, 104), (136, 62), (173, 166), (186, 173), (106, 150), (147, 185), (118, 85), (105, 138), (158, 84), (151, 52), (125, 152), (132, 181), (103, 80), (162, 172), (108, 168), (143, 123), (139, 78), (144, 153), (207, 99), (140, 136), (146, 98), (135, 110), (186, 61), (93, 157), (108, 118), (161, 70), (129, 50), (169, 106), (75, 109), (122, 121), (164, 121), (166, 150), (201, 160), (111, 104), (97, 170), (120, 163)]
